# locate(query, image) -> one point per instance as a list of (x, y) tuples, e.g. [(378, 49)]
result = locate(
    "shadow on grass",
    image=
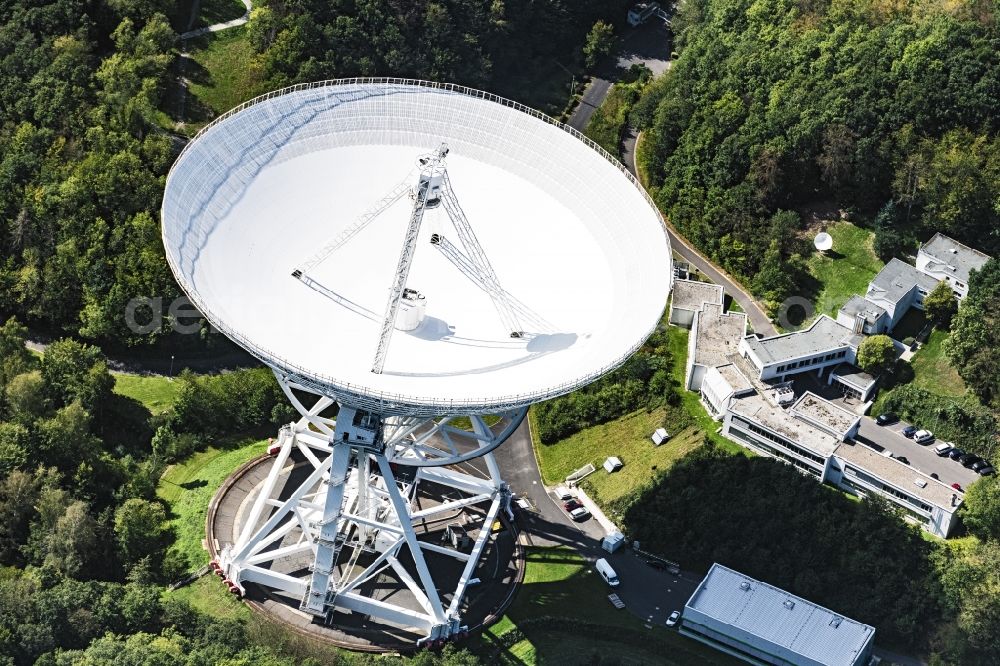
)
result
[(562, 615)]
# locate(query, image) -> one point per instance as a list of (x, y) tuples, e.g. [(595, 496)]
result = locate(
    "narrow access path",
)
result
[(758, 318), (592, 97), (184, 55), (647, 45), (216, 27)]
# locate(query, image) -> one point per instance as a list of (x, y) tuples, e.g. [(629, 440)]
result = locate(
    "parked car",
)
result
[(672, 620), (969, 459), (909, 430), (886, 419), (923, 437), (956, 453), (987, 471), (562, 493), (903, 459), (579, 514), (956, 487), (572, 505), (979, 464), (942, 449)]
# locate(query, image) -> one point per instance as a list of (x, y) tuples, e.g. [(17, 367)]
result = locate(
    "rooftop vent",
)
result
[(953, 250), (788, 603), (745, 586), (835, 622), (920, 483)]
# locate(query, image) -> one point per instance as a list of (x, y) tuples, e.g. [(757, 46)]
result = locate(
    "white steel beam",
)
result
[(279, 581), (441, 550), (402, 512), (449, 506), (401, 274), (457, 480), (277, 553), (327, 547), (380, 609), (286, 439), (477, 550)]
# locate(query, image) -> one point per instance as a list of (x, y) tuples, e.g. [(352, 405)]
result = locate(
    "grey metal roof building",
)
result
[(823, 335), (946, 257), (896, 279), (760, 623)]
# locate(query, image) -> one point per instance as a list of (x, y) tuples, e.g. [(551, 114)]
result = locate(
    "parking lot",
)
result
[(921, 457)]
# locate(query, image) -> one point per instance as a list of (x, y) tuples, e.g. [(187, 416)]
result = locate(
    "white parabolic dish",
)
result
[(569, 233)]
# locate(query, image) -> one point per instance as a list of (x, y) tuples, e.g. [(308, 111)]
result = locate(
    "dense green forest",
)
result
[(762, 517), (775, 105), (643, 381), (82, 163), (86, 138), (505, 46)]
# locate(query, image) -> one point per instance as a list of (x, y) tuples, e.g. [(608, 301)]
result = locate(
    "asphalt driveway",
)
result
[(921, 457)]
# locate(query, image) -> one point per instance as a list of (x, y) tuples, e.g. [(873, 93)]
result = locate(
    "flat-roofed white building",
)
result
[(863, 316), (720, 385), (763, 624), (754, 422), (715, 335), (925, 501), (944, 258), (688, 297), (825, 343)]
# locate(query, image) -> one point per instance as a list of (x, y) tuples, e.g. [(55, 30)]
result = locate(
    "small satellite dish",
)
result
[(823, 242)]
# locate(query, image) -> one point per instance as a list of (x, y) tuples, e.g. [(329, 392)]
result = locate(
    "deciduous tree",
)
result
[(941, 305), (876, 353)]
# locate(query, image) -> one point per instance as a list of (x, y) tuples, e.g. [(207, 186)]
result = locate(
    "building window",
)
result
[(783, 443)]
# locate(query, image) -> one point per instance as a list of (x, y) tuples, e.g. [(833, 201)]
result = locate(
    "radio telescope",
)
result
[(417, 263)]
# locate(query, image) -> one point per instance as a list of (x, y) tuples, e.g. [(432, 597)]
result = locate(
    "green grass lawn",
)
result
[(933, 371), (156, 392), (188, 488), (844, 271), (560, 583), (627, 438), (678, 342), (208, 595), (225, 73)]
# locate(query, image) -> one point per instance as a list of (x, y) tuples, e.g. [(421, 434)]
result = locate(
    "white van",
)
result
[(607, 573)]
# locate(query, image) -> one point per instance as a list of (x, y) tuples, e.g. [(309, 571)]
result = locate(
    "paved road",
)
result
[(593, 96), (922, 458), (649, 594), (680, 245), (547, 524), (647, 45)]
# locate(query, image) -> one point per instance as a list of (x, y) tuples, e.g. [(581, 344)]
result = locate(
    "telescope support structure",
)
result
[(358, 499)]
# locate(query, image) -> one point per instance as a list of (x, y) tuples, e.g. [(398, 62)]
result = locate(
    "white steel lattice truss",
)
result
[(351, 502)]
